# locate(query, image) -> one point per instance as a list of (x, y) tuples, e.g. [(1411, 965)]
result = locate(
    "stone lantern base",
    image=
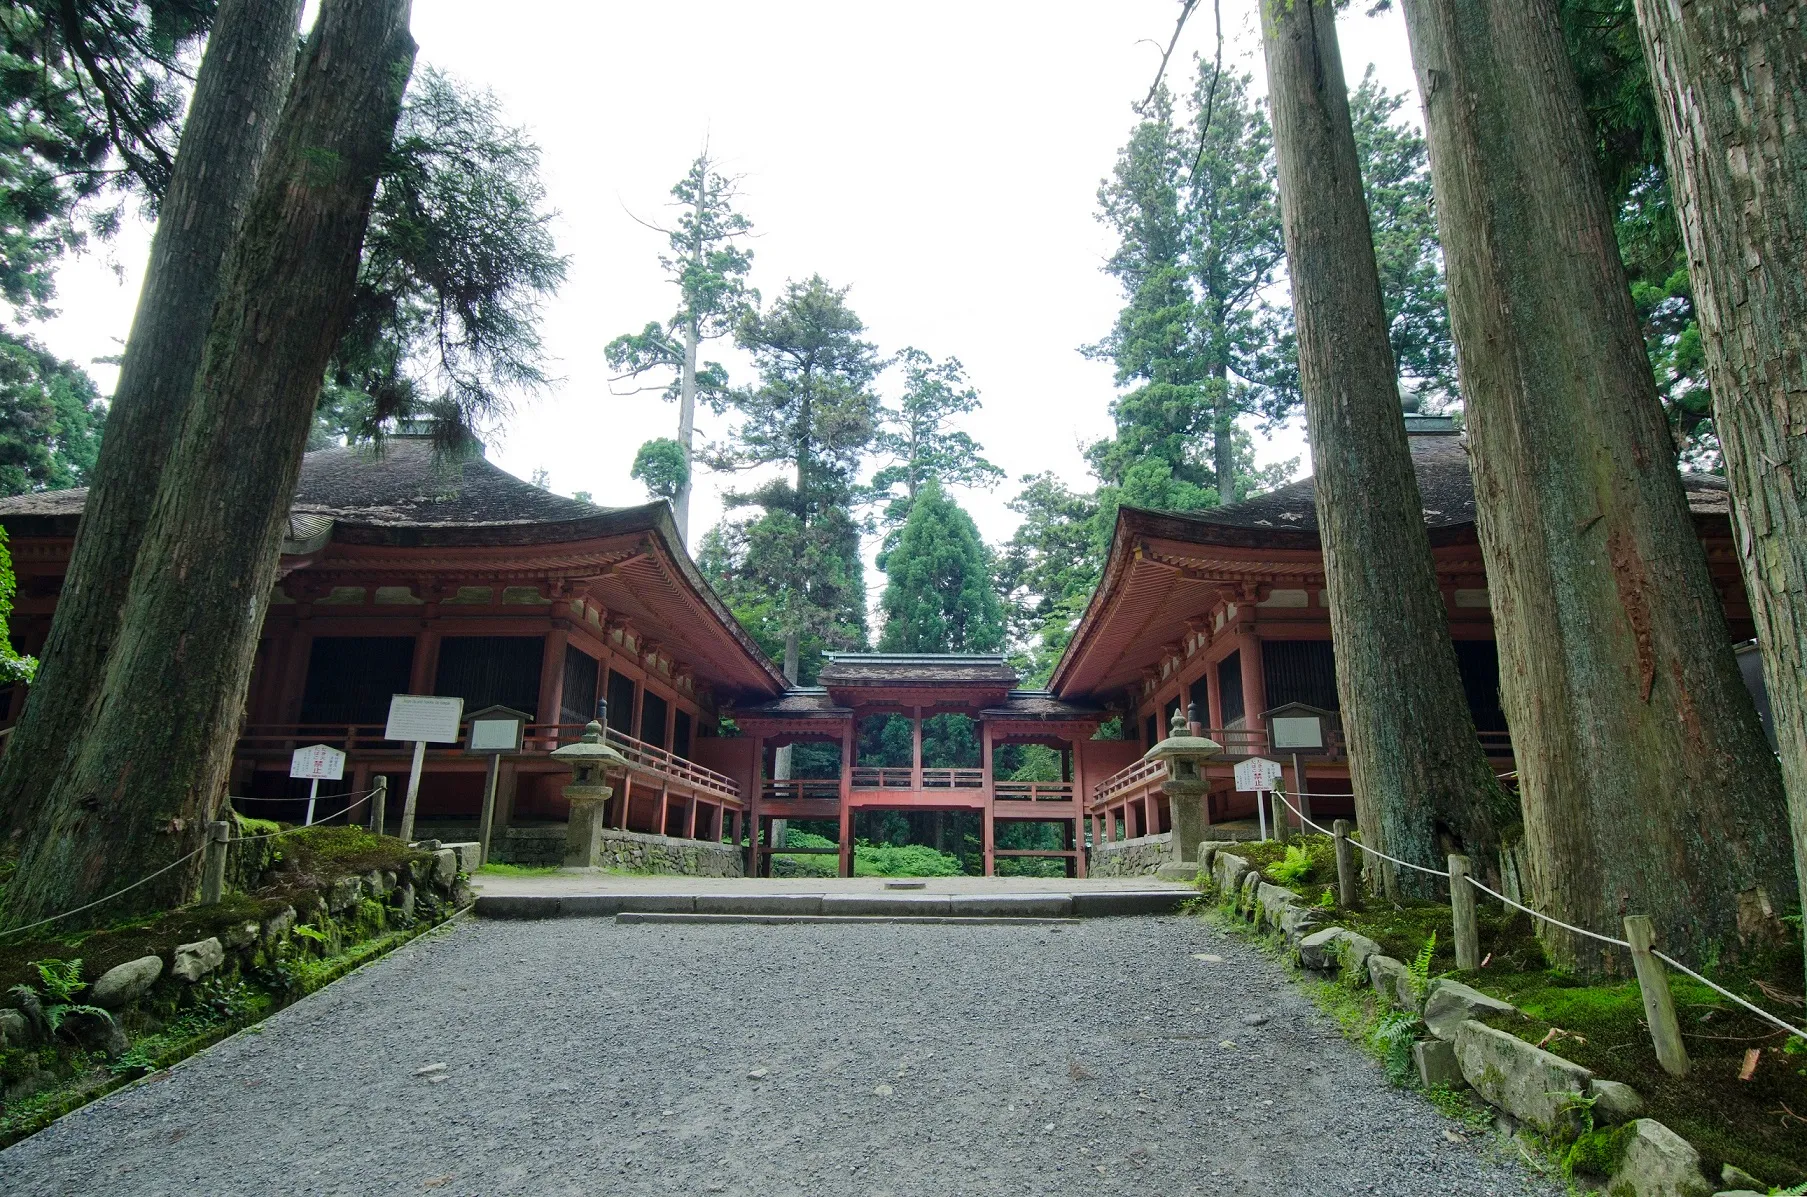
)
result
[(583, 834), (1187, 800)]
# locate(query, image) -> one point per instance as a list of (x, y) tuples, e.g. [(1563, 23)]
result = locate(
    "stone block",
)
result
[(1245, 901), (1012, 906), (196, 960), (1732, 1177), (1615, 1103), (1320, 950), (584, 830), (14, 1030), (758, 904), (467, 854), (1178, 870), (445, 868), (278, 924), (1207, 854), (1271, 904), (344, 894), (124, 984), (1436, 1064), (1658, 1163), (1527, 1082), (888, 905), (95, 1030), (1448, 1004), (1392, 982), (1299, 921), (1186, 802), (1228, 870), (1107, 903)]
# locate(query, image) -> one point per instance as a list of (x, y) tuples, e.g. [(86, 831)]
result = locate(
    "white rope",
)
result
[(1797, 1032), (1538, 914), (1370, 851), (127, 889), (349, 807)]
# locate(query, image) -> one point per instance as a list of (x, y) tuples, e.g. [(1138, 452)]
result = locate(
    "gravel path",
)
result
[(585, 1057)]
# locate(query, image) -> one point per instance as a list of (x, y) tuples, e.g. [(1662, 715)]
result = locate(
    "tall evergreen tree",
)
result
[(939, 596), (1048, 569), (1192, 203), (1415, 763), (1646, 781), (1733, 102), (149, 764), (918, 441), (51, 418), (812, 413), (709, 266), (238, 91)]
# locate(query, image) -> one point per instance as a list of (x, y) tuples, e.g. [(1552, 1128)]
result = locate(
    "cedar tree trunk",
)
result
[(1647, 785), (239, 90), (1732, 92), (1414, 758), (154, 763)]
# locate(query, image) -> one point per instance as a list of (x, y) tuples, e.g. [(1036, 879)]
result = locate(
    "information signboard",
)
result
[(1298, 731), (1257, 773), (319, 762), (424, 719)]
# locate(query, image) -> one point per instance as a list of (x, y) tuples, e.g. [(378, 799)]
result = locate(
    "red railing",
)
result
[(871, 777), (802, 789), (537, 739), (1135, 777), (1032, 791)]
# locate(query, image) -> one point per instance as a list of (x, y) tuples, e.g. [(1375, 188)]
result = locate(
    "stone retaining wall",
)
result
[(1139, 857), (1524, 1083), (638, 853)]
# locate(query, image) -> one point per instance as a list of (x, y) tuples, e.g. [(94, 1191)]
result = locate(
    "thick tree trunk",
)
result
[(781, 757), (154, 762), (1414, 758), (1732, 92), (1646, 782), (687, 427), (1223, 435), (239, 90)]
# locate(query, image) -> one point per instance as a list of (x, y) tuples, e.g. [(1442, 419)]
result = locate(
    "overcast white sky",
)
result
[(941, 158)]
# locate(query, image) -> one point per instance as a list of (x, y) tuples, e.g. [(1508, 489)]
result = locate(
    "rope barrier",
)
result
[(179, 861), (357, 799), (1570, 927), (127, 889)]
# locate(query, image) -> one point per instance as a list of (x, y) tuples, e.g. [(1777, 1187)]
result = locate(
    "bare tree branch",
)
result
[(1186, 7)]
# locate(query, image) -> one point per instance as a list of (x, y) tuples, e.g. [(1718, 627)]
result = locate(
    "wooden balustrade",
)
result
[(873, 777), (802, 789), (1032, 791)]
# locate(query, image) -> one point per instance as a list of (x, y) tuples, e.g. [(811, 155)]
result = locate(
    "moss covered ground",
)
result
[(1759, 1124)]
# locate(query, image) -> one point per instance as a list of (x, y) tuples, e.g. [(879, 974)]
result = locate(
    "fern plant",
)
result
[(60, 980), (1296, 866), (1393, 1037), (1419, 971)]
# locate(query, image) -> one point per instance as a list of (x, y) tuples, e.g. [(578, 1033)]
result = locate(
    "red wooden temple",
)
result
[(401, 574)]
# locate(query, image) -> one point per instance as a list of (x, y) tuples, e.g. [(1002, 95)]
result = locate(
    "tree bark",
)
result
[(1414, 758), (687, 426), (150, 771), (238, 92), (1647, 785), (1731, 90)]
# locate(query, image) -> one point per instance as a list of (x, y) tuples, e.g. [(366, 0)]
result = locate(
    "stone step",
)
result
[(1085, 904)]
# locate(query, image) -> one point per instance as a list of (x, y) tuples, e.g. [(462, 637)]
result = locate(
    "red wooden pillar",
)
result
[(985, 765), (690, 819), (1254, 680), (1213, 697), (426, 662), (754, 800), (916, 750), (1079, 847), (846, 844), (552, 678)]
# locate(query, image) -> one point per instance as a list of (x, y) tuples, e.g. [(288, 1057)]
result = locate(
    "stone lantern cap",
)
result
[(590, 750), (1183, 748)]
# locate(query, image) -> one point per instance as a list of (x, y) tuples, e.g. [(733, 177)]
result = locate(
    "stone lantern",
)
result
[(591, 758), (1186, 788)]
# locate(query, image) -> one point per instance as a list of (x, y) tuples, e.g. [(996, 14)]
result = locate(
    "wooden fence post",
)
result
[(1659, 1006), (1461, 905), (213, 862), (1345, 865), (1282, 829), (379, 800)]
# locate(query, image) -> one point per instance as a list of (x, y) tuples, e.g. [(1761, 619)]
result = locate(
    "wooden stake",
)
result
[(213, 863), (408, 803), (1345, 865), (1282, 828), (379, 803), (1461, 905), (486, 825), (1659, 1006)]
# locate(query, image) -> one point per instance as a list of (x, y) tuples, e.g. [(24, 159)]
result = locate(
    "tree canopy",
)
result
[(940, 597), (918, 442), (51, 418)]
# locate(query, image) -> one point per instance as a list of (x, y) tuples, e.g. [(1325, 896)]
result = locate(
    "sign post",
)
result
[(421, 719), (314, 762), (1258, 774), (1299, 728), (495, 732)]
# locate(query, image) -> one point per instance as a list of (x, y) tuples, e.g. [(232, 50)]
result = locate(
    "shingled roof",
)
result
[(916, 669)]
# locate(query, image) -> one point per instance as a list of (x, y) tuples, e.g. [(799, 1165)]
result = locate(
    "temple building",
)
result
[(402, 574)]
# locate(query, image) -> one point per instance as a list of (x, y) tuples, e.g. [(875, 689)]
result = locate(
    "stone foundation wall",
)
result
[(1130, 858), (638, 853)]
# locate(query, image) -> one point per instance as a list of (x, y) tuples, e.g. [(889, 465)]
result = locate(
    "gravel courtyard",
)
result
[(586, 1057)]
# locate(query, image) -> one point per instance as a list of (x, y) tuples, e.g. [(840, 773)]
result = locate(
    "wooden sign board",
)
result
[(319, 762), (1298, 731), (1257, 773), (496, 730), (424, 719)]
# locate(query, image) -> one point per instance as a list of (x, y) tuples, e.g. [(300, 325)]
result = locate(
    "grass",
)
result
[(496, 868), (1759, 1125), (869, 860)]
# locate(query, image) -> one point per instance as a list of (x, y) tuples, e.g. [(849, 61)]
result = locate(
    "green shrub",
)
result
[(1296, 867)]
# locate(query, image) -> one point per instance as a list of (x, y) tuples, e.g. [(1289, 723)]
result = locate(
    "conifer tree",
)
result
[(812, 413), (919, 442), (939, 596), (710, 268)]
